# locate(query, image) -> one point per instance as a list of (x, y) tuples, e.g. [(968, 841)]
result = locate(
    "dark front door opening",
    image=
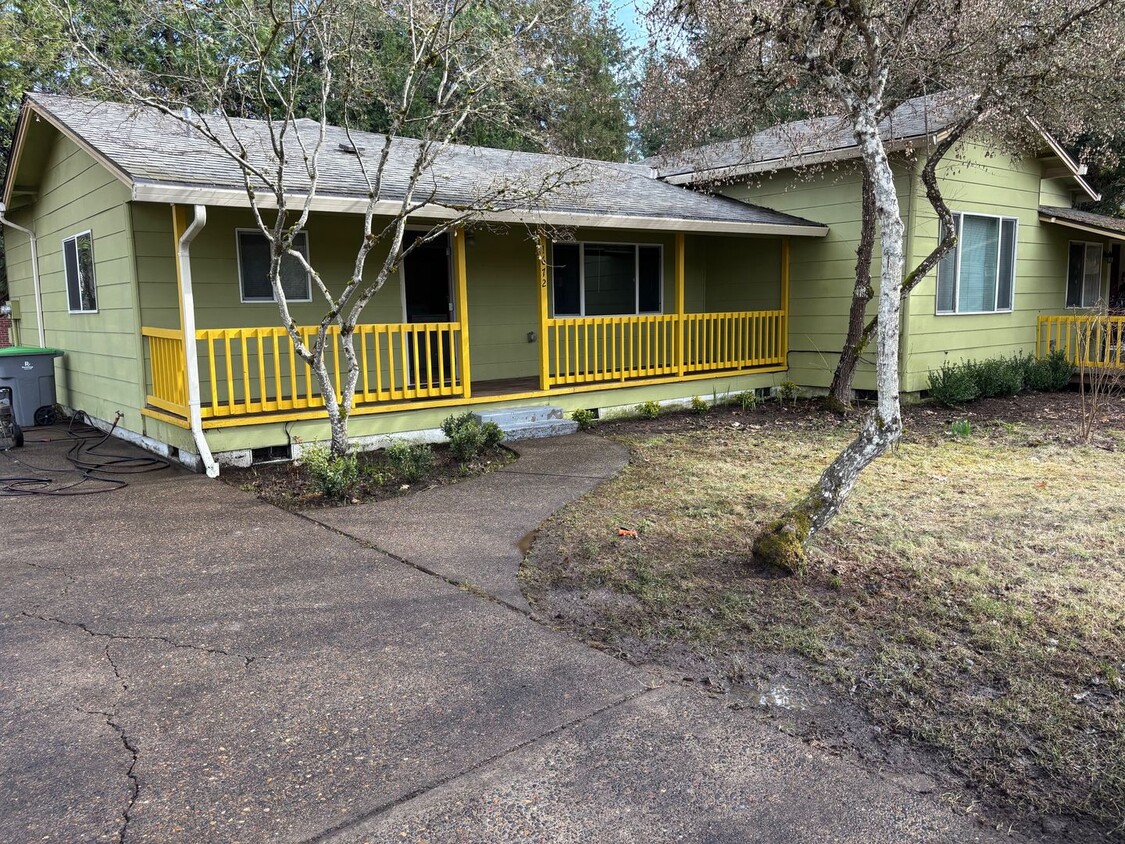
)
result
[(427, 292)]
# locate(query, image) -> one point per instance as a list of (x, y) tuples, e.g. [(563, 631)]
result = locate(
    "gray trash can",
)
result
[(30, 372)]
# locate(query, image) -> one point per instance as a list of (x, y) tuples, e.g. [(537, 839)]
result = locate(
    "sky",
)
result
[(630, 15)]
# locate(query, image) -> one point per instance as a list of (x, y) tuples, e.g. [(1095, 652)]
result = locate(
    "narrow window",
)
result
[(978, 276), (78, 264), (1084, 275), (567, 274), (254, 268)]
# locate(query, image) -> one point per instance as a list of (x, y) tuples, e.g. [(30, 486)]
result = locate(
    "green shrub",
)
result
[(410, 461), (953, 384), (468, 438), (747, 400), (997, 376), (699, 405), (333, 477), (584, 418), (786, 391), (648, 410), (1051, 374), (961, 429)]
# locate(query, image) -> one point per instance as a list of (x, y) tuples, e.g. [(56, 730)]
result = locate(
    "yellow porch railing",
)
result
[(1089, 340), (586, 349), (255, 370), (166, 368), (583, 350), (733, 340)]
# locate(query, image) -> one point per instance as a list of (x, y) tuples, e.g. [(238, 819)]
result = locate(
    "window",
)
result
[(254, 268), (1084, 275), (607, 279), (78, 264), (978, 276)]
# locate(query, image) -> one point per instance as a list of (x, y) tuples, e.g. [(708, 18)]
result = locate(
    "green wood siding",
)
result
[(978, 180), (822, 270), (100, 372)]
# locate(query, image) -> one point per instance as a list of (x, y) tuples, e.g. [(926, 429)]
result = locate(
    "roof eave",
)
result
[(29, 107), (1077, 170), (1048, 217), (226, 197), (719, 174)]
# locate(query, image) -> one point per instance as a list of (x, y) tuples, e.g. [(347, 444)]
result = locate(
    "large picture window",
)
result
[(254, 268), (979, 275), (1084, 275), (78, 265), (607, 279)]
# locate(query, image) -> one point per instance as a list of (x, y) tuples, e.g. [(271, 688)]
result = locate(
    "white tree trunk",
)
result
[(783, 542)]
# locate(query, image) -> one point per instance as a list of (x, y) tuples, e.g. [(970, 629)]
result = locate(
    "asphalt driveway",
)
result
[(184, 663)]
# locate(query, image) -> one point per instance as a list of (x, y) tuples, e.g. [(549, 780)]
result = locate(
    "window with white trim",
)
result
[(607, 279), (1084, 275), (254, 268), (78, 266), (979, 275)]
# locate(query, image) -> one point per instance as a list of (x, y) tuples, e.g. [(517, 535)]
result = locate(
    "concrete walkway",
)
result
[(184, 663)]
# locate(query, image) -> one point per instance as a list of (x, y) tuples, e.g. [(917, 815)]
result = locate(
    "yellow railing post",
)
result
[(784, 338), (462, 303), (680, 361), (544, 344)]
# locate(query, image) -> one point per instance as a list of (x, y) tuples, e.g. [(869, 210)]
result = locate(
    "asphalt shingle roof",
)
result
[(784, 145), (152, 148), (1115, 225)]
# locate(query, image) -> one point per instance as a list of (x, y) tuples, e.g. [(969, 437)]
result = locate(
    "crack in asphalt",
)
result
[(71, 580), (99, 634), (130, 772)]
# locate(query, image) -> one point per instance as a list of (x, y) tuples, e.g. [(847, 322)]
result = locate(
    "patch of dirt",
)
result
[(287, 485)]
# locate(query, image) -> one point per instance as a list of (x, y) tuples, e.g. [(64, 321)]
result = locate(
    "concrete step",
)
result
[(525, 423), (509, 417), (556, 428)]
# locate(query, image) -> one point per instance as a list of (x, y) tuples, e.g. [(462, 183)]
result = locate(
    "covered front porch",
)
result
[(249, 375)]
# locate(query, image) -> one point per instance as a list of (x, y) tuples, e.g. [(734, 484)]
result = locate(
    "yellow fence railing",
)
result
[(584, 350), (167, 384), (247, 371), (255, 370), (1089, 340), (733, 340)]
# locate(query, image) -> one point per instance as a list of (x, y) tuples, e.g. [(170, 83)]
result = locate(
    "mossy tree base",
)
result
[(782, 542)]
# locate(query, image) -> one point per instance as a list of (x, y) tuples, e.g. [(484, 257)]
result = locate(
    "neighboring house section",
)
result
[(1025, 256), (650, 292)]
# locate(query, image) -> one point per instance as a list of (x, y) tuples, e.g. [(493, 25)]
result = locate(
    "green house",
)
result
[(622, 284), (1028, 267)]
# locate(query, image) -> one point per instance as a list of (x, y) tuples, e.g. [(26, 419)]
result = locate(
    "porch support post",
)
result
[(784, 344), (680, 360), (461, 288), (544, 345)]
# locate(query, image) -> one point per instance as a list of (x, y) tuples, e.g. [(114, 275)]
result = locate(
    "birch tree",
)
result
[(859, 59), (293, 65)]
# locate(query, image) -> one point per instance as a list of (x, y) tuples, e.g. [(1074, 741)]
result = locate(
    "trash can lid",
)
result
[(28, 351)]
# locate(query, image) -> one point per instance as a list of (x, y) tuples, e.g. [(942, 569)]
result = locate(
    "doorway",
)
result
[(427, 293)]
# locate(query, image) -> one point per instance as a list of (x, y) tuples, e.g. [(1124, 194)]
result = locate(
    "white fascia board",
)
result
[(1057, 221), (1077, 170), (230, 198)]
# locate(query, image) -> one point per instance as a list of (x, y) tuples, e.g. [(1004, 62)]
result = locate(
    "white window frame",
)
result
[(78, 264), (238, 232), (1101, 274), (999, 260), (581, 244)]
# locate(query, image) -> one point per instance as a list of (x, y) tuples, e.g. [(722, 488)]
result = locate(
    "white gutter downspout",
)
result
[(34, 273), (187, 309)]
